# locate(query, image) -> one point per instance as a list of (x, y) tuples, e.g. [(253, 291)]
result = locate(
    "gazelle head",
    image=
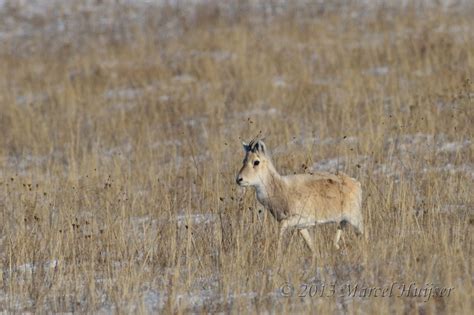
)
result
[(256, 164)]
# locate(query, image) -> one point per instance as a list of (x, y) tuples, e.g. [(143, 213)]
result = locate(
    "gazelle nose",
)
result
[(239, 179)]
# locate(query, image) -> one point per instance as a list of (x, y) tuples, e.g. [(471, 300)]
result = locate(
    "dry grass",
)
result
[(119, 147)]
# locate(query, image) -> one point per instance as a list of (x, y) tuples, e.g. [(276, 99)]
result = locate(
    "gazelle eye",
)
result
[(255, 163)]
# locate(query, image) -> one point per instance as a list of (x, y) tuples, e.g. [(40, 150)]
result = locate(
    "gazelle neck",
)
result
[(269, 184)]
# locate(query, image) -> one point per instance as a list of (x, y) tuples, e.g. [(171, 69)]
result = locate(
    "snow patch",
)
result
[(32, 267)]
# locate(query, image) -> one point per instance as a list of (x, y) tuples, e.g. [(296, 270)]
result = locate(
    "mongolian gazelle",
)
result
[(302, 200)]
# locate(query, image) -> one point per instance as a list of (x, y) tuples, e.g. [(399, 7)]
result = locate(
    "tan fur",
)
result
[(303, 200)]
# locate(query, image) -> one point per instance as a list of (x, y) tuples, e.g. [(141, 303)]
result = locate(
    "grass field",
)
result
[(120, 140)]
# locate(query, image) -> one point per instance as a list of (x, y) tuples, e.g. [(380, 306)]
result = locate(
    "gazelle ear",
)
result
[(260, 147), (246, 147)]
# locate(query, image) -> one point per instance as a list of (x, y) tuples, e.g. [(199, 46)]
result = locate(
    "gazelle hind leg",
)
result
[(341, 225), (358, 224), (359, 228), (338, 237)]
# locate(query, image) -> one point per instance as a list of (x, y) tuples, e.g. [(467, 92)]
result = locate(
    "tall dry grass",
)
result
[(120, 143)]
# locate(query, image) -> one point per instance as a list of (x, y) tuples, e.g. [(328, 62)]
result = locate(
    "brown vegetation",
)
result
[(120, 143)]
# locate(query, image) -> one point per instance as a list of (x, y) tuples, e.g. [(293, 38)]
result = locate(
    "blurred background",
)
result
[(120, 138)]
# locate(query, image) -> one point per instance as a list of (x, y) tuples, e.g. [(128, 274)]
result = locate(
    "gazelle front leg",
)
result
[(308, 239), (284, 226), (294, 221)]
